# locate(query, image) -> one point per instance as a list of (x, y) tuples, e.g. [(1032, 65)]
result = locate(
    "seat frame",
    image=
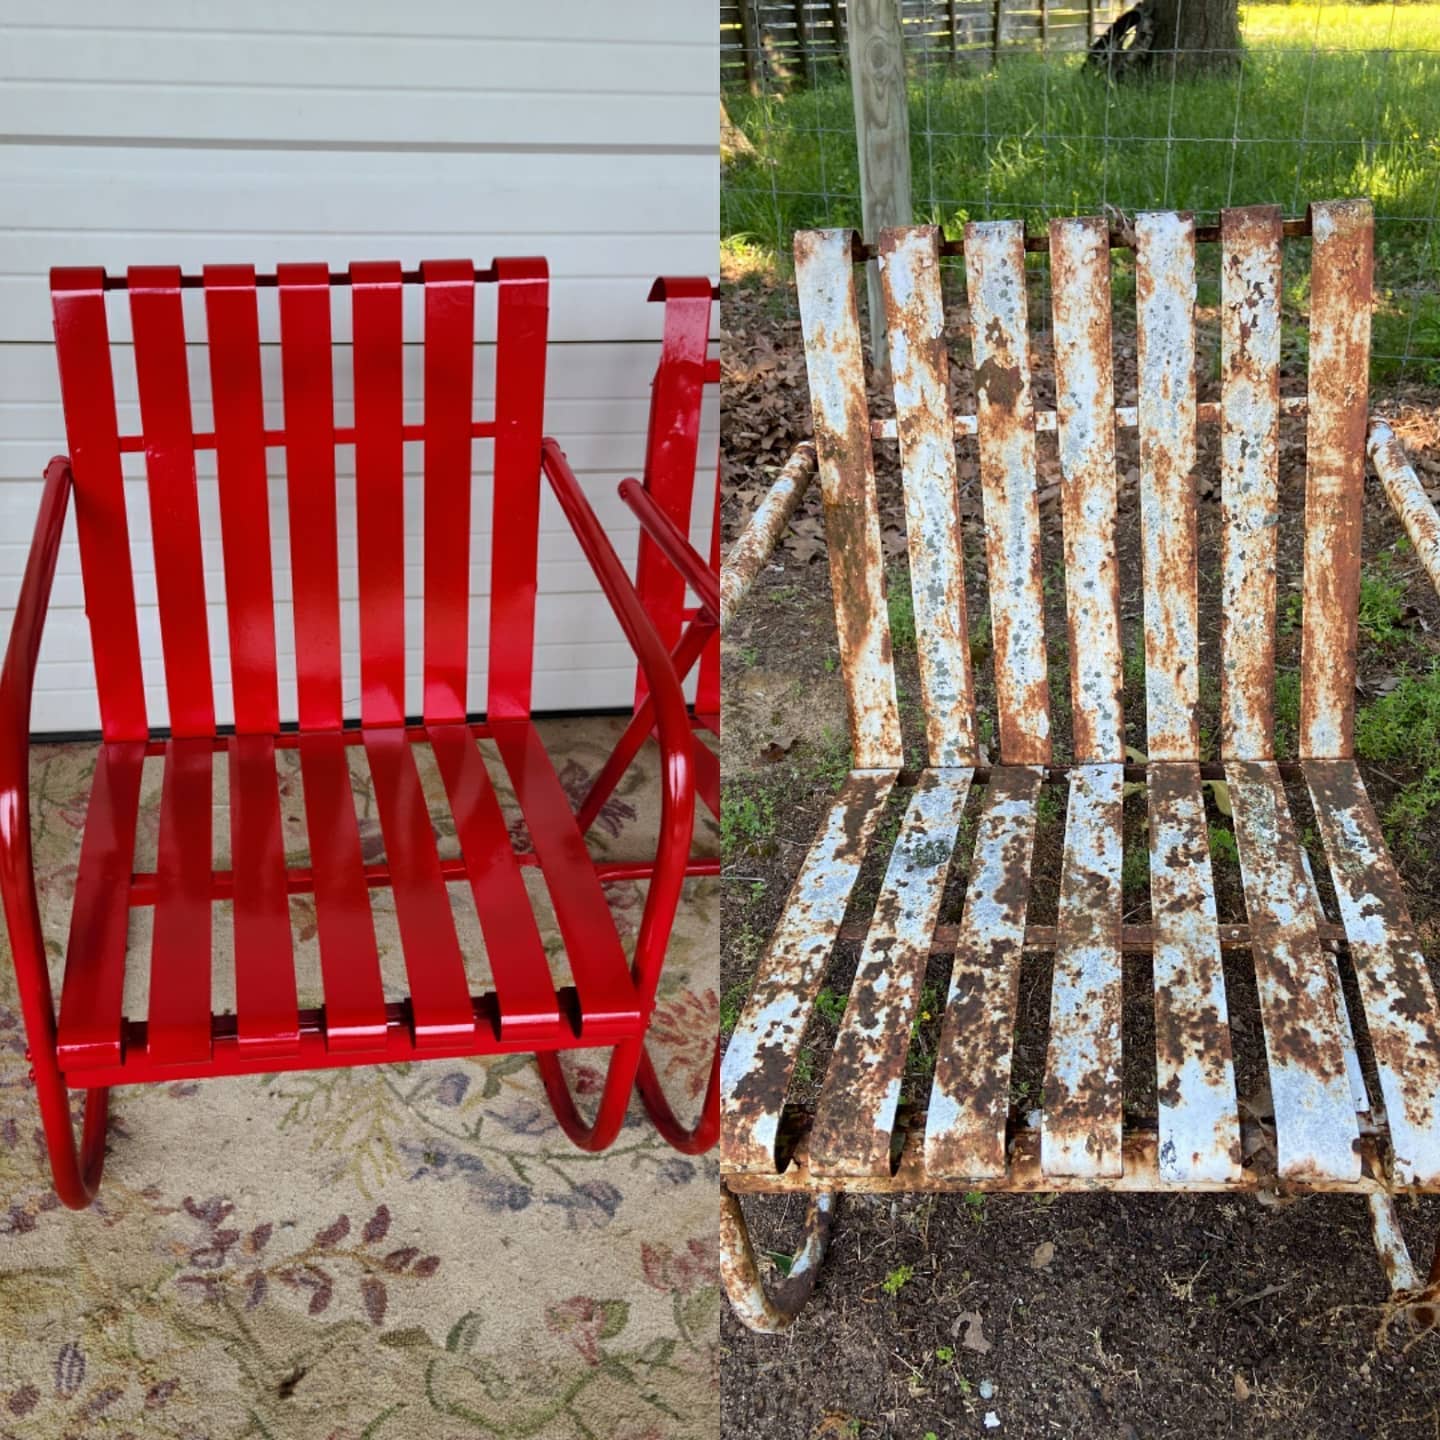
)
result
[(1329, 1131), (90, 1045)]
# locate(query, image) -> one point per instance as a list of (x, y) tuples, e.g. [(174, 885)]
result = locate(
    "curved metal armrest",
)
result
[(673, 544), (760, 536), (677, 802), (17, 682), (1407, 496)]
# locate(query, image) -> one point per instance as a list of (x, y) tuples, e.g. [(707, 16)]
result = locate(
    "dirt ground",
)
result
[(1125, 1317)]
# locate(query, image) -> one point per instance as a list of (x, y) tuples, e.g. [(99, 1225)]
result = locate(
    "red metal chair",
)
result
[(667, 564), (94, 1046)]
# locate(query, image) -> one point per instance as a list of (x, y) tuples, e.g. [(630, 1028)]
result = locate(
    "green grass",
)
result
[(1359, 115), (898, 1279), (1404, 727), (746, 823)]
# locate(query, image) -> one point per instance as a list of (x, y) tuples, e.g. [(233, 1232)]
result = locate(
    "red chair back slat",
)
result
[(160, 367), (87, 386), (449, 398), (233, 322), (523, 310), (672, 444), (309, 388), (707, 692), (309, 438), (380, 487)]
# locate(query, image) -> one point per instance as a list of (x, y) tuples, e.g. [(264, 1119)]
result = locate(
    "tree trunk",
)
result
[(1206, 33)]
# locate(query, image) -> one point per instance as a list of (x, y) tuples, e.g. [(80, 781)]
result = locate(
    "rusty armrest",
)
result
[(754, 544), (1407, 496)]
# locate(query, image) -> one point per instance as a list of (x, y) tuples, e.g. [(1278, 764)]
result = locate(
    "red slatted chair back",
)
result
[(672, 449), (308, 438)]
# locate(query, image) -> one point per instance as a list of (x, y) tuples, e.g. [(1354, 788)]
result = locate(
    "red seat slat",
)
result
[(82, 345), (380, 488), (449, 390), (266, 1008), (526, 996), (597, 961), (522, 311), (160, 368), (706, 765), (439, 992), (90, 1002), (233, 324), (310, 470), (349, 960), (180, 949)]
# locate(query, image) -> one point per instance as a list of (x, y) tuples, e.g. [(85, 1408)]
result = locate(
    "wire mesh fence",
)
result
[(1319, 101)]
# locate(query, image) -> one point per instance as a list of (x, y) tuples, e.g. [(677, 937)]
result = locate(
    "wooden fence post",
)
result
[(998, 15), (837, 27), (1044, 27), (954, 39), (802, 39), (750, 45), (882, 133)]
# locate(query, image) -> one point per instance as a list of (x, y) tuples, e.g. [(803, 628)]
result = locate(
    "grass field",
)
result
[(1329, 101)]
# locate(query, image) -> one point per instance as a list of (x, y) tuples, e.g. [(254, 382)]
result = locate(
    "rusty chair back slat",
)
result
[(1341, 283), (1005, 416), (831, 326), (1084, 404), (1249, 477), (920, 372), (1165, 338)]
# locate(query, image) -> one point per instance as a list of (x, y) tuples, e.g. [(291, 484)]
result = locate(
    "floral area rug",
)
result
[(409, 1251)]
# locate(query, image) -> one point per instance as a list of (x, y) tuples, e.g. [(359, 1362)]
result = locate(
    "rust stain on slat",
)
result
[(1199, 1120), (740, 1273), (920, 373), (1341, 285), (1315, 1126), (1249, 471), (995, 279), (1085, 401), (1081, 1130), (1395, 989), (833, 362), (1165, 290), (861, 1093), (760, 1059), (753, 546), (970, 1096)]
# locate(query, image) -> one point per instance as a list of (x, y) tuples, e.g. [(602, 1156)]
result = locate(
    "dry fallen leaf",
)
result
[(1242, 1387), (973, 1327), (1044, 1254)]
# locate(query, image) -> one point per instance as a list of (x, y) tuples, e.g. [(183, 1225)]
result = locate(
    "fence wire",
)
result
[(1320, 101)]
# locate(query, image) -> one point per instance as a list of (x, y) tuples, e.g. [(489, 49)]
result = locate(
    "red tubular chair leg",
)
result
[(696, 1139), (599, 1133)]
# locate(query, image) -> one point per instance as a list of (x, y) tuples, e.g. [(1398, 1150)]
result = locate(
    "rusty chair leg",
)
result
[(770, 1312), (1421, 1303)]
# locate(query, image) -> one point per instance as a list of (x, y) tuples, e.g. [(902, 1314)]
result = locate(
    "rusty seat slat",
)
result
[(1305, 1040), (861, 1093), (1199, 1121), (760, 1059), (970, 1095), (1081, 1127), (1398, 999)]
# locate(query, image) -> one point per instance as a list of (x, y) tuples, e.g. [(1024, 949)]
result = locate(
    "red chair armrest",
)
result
[(673, 544)]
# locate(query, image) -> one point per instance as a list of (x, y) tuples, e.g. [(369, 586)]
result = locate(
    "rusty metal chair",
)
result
[(1328, 1133), (95, 1044), (662, 502)]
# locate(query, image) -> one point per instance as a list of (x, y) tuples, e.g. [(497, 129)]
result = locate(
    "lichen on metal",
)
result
[(831, 329), (1341, 286), (760, 1058), (920, 376), (999, 329), (1084, 402), (856, 1111), (1249, 477), (1080, 1133), (1315, 1126), (1195, 1074), (755, 543), (1165, 336), (970, 1094)]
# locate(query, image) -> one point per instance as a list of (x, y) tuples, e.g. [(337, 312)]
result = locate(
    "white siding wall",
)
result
[(203, 131)]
